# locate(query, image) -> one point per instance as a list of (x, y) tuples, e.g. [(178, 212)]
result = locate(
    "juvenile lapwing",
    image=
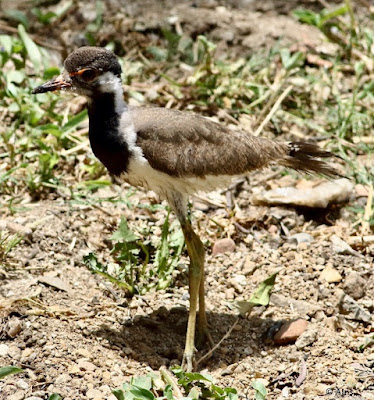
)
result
[(173, 153)]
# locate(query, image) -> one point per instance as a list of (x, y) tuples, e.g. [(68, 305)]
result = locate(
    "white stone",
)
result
[(3, 350)]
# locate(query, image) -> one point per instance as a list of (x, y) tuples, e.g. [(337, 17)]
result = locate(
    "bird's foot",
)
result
[(204, 336), (188, 362)]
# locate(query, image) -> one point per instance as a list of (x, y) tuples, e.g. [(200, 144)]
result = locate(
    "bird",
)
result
[(172, 153)]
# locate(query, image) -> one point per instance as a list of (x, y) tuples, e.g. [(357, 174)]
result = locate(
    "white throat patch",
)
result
[(110, 83)]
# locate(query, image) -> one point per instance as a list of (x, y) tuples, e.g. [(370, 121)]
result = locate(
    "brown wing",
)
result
[(186, 144)]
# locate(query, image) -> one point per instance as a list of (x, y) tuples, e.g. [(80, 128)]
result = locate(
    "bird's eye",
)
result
[(88, 75)]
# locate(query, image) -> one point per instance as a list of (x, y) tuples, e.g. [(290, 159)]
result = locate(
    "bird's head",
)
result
[(88, 71)]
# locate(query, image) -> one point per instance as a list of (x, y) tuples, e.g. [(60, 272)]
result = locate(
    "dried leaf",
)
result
[(302, 375)]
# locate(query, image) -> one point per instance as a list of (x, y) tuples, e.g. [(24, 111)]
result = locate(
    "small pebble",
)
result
[(230, 293), (86, 365), (340, 246), (84, 353), (352, 310), (331, 275), (355, 285), (26, 352), (20, 395), (63, 378), (223, 246), (285, 392), (33, 398), (3, 350), (302, 237), (307, 338), (290, 331), (14, 352), (106, 376), (74, 369), (22, 384), (14, 327), (94, 394)]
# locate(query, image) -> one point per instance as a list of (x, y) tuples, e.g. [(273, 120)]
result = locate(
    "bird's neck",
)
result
[(104, 111)]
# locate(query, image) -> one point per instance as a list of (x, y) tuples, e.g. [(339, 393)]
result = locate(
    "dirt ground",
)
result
[(77, 335)]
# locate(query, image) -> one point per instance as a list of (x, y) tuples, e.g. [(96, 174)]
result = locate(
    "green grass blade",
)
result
[(31, 48), (55, 396), (9, 370)]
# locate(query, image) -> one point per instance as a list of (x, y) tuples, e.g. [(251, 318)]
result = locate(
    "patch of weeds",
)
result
[(140, 262), (188, 386), (49, 17), (7, 243), (343, 32), (85, 193), (39, 142), (344, 105)]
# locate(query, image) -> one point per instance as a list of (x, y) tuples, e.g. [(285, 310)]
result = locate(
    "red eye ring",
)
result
[(86, 74)]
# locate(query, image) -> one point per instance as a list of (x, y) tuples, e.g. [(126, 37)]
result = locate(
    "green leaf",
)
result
[(51, 72), (55, 396), (291, 61), (15, 76), (63, 7), (194, 393), (261, 296), (158, 53), (144, 382), (369, 340), (12, 89), (232, 394), (168, 392), (17, 15), (195, 376), (307, 16), (75, 121), (119, 394), (141, 394), (123, 233), (44, 18), (9, 370), (327, 15), (260, 389), (6, 42), (31, 48), (296, 60), (97, 268), (217, 390), (93, 185), (208, 45)]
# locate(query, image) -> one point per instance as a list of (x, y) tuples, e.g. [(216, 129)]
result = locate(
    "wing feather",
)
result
[(186, 144)]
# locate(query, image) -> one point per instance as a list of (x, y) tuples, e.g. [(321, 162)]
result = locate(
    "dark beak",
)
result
[(57, 83)]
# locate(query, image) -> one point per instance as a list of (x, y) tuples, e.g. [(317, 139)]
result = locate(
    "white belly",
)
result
[(141, 174)]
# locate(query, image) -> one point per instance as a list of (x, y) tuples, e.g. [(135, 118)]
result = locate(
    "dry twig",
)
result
[(213, 349)]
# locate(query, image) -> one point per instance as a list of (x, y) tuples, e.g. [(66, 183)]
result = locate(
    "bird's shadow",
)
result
[(157, 339)]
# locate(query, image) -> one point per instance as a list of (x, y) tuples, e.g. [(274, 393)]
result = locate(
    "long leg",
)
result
[(195, 250), (203, 322), (196, 253)]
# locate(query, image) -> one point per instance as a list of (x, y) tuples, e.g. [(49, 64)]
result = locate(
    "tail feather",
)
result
[(306, 157)]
